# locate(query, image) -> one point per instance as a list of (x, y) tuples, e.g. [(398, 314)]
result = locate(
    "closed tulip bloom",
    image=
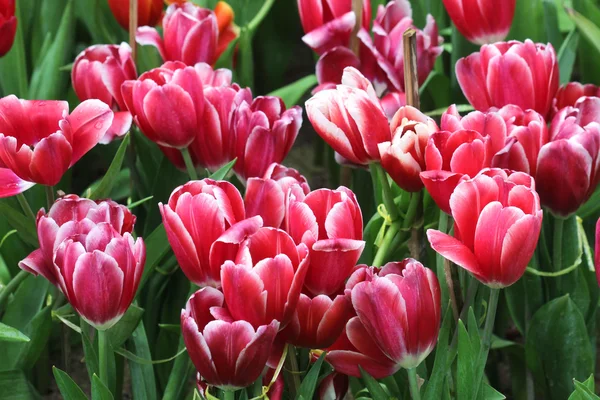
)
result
[(40, 140), (218, 205), (567, 95), (149, 12), (8, 25), (350, 118), (495, 198), (523, 74), (167, 103), (481, 21), (190, 35), (227, 354), (98, 73), (264, 282), (568, 165), (397, 320), (403, 157), (87, 251), (264, 133)]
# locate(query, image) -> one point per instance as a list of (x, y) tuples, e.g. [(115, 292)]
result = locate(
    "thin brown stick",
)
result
[(133, 24), (357, 7), (411, 78)]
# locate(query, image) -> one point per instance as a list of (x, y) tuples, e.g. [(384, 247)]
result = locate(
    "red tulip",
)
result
[(350, 118), (597, 252), (568, 95), (497, 224), (218, 206), (227, 354), (227, 29), (392, 102), (263, 283), (87, 251), (523, 74), (481, 22), (167, 103), (568, 168), (149, 12), (190, 35), (11, 184), (267, 196), (397, 323), (40, 141), (98, 73), (329, 23), (404, 156), (8, 25)]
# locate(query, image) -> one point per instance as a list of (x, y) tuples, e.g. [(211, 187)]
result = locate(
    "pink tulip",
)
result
[(397, 320), (481, 21), (87, 251), (227, 354), (98, 73), (567, 95), (218, 205), (498, 219), (523, 74), (40, 140), (403, 157), (8, 25)]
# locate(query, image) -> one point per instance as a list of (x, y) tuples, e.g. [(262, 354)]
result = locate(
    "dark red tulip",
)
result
[(8, 25), (149, 12)]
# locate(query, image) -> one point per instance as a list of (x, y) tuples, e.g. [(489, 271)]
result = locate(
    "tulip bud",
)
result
[(8, 25), (98, 73), (149, 12), (494, 198), (567, 95), (486, 22), (87, 251)]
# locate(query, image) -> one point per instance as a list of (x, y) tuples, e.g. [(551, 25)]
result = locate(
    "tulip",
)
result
[(481, 22), (264, 134), (167, 103), (567, 95), (227, 29), (228, 354), (98, 73), (87, 251), (8, 25), (568, 167), (266, 196), (397, 320), (190, 35), (523, 74), (40, 140), (149, 12), (403, 157), (334, 387), (497, 224), (219, 206), (350, 118), (329, 23), (264, 282)]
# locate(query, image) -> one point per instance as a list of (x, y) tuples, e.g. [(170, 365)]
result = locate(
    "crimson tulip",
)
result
[(8, 25), (219, 205), (350, 118), (98, 73), (403, 157), (397, 320), (523, 74), (227, 354), (567, 95), (498, 219), (149, 12), (482, 22), (40, 140), (87, 251)]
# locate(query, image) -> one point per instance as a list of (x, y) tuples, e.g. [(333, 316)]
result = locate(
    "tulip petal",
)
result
[(11, 184), (198, 349), (454, 250), (254, 356), (54, 151), (244, 293), (264, 197), (472, 81), (147, 35)]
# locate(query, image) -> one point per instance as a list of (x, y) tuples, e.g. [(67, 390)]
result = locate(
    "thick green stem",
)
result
[(557, 261), (487, 338), (413, 383), (49, 196), (291, 364), (388, 197), (383, 250), (229, 394), (189, 164), (25, 206), (103, 353), (12, 285)]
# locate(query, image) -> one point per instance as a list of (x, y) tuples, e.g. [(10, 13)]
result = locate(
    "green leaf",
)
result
[(157, 246), (176, 328), (222, 172), (143, 383), (374, 388), (553, 34), (292, 93), (99, 390), (15, 386), (67, 386), (309, 384), (10, 334), (442, 362), (39, 330), (528, 22), (25, 226), (146, 361), (489, 393), (523, 299), (123, 329), (178, 377), (585, 390), (469, 345), (587, 28), (566, 59), (461, 108), (588, 60), (226, 58), (106, 185), (89, 350), (558, 348)]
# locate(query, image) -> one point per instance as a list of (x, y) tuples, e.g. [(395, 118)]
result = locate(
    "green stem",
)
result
[(189, 165), (229, 394), (49, 196), (383, 250), (103, 350), (260, 15), (25, 206), (291, 364), (487, 338), (557, 260), (414, 384), (12, 285), (388, 197)]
